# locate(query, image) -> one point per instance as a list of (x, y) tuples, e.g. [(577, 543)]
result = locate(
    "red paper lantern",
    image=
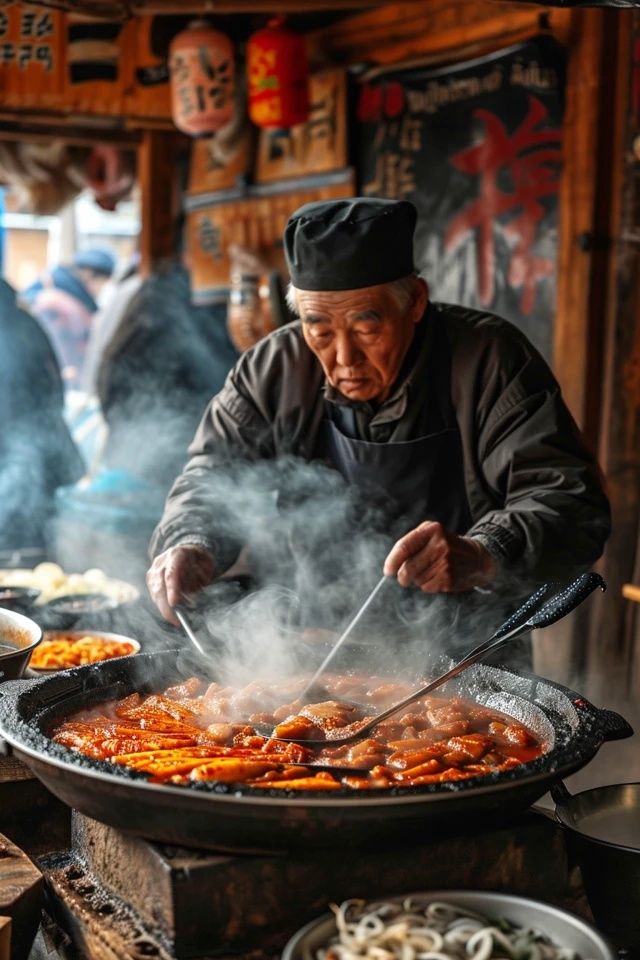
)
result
[(202, 71), (278, 77)]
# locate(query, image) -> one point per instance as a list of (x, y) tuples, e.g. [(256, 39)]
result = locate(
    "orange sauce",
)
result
[(192, 732)]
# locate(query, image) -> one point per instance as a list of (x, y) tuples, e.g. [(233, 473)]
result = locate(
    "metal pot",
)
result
[(18, 638), (604, 834), (233, 817)]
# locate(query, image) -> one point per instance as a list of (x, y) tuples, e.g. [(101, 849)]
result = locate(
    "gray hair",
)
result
[(403, 291)]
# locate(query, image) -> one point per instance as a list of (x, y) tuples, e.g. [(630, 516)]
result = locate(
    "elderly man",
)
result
[(447, 412)]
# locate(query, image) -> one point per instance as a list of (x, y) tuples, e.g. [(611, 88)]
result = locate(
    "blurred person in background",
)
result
[(156, 372), (37, 454), (96, 267), (152, 363), (64, 303)]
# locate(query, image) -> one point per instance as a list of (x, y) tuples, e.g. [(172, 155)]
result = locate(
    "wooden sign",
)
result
[(31, 56), (216, 165), (97, 54), (317, 146), (55, 60), (147, 93), (255, 222)]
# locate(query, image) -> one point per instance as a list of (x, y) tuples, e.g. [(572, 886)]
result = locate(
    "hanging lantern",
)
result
[(278, 77), (202, 72)]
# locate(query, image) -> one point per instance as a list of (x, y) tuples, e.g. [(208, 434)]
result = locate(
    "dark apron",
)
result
[(418, 480), (412, 481)]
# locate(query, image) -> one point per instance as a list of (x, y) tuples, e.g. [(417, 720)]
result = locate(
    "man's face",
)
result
[(361, 336)]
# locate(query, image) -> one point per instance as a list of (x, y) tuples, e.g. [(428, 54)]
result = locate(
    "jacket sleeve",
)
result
[(202, 505), (553, 517)]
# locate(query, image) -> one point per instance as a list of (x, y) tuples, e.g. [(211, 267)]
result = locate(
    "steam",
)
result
[(316, 548)]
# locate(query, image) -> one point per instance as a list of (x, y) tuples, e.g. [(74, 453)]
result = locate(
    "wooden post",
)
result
[(584, 215), (5, 938), (613, 632), (157, 175), (21, 896), (585, 649)]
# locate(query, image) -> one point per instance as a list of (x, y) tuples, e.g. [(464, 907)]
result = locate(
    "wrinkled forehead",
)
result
[(344, 303)]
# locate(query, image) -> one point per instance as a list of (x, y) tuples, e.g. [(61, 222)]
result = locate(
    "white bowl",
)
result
[(565, 929), (18, 637)]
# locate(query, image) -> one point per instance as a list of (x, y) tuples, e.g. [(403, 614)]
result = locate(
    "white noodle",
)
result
[(408, 930)]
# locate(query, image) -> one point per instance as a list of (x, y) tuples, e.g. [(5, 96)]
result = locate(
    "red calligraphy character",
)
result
[(515, 172)]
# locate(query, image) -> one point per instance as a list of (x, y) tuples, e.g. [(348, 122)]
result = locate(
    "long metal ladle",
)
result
[(554, 609), (346, 633)]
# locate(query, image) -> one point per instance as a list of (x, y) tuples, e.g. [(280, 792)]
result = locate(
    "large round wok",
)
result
[(222, 816)]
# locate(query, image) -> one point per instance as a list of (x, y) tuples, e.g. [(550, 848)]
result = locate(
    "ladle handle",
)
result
[(559, 794), (550, 612), (525, 610), (567, 600)]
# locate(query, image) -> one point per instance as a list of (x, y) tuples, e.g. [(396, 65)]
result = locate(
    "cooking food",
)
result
[(408, 930), (193, 733), (60, 650), (52, 582)]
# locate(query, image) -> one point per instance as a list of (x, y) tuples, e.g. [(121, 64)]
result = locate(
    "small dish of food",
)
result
[(51, 581), (62, 649), (58, 600), (448, 924)]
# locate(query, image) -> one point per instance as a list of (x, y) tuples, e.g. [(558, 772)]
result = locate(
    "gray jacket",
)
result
[(534, 491)]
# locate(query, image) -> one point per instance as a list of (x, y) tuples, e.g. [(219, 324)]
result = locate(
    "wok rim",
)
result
[(529, 774)]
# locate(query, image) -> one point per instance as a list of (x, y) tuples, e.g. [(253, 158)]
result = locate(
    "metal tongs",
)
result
[(561, 603), (182, 619)]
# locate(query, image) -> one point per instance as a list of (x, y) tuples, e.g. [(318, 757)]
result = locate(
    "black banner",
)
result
[(477, 147)]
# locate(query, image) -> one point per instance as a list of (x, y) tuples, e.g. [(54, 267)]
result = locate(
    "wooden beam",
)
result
[(405, 31), (157, 176), (124, 9), (76, 136)]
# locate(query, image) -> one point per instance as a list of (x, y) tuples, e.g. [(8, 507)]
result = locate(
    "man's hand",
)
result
[(437, 561), (176, 572)]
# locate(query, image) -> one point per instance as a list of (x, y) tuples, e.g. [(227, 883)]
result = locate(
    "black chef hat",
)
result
[(349, 244)]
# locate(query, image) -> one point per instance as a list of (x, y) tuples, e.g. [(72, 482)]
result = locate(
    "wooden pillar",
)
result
[(585, 196), (613, 635), (158, 176)]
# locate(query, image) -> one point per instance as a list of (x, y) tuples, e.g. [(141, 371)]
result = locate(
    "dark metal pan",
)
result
[(603, 825), (232, 817)]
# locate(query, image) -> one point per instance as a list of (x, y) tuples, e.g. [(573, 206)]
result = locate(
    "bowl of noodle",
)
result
[(448, 925)]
